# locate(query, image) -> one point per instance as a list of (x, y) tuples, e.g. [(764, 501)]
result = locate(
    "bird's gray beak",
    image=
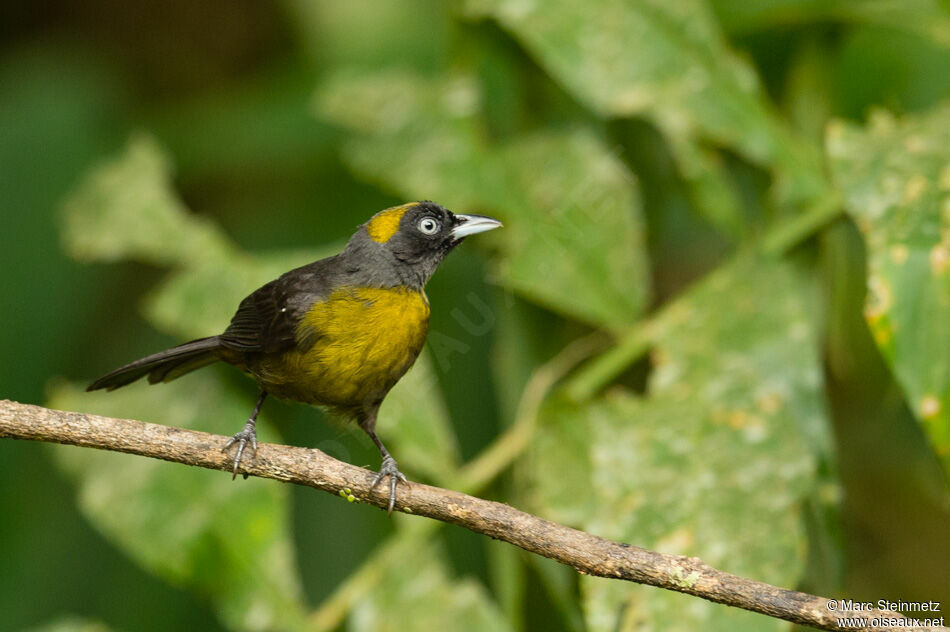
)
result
[(472, 225)]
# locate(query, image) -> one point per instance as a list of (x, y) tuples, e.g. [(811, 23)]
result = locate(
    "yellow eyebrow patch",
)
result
[(385, 223)]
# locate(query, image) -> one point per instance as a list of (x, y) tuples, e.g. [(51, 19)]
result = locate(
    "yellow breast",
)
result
[(351, 348)]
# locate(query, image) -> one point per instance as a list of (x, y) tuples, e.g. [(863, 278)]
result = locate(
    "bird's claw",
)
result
[(389, 468), (247, 435)]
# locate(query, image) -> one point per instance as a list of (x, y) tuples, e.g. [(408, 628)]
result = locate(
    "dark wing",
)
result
[(259, 324), (266, 321)]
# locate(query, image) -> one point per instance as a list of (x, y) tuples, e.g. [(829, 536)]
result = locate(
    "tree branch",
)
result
[(587, 553)]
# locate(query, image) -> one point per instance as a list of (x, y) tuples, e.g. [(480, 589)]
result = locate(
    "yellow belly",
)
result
[(352, 348)]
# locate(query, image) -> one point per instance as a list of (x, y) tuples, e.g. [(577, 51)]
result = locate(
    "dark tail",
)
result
[(163, 366)]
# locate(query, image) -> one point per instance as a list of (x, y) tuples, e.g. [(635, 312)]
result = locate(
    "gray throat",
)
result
[(367, 263)]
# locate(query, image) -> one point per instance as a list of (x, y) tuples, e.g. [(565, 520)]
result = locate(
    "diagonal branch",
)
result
[(587, 553)]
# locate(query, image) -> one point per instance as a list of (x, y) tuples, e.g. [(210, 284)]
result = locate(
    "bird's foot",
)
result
[(241, 439), (389, 468)]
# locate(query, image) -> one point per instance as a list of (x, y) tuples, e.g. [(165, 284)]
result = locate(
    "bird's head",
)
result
[(414, 238)]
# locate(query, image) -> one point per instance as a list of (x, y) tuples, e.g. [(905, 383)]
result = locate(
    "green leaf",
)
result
[(572, 208), (895, 176), (669, 63), (714, 462), (559, 465), (574, 239), (126, 208), (419, 137), (197, 528), (925, 18), (423, 592)]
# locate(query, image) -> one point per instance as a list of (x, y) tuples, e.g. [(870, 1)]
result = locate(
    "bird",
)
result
[(337, 333)]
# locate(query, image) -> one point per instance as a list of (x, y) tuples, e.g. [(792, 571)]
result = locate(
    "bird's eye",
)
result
[(429, 225)]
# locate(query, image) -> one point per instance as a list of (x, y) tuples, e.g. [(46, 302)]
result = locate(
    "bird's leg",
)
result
[(247, 435), (387, 468)]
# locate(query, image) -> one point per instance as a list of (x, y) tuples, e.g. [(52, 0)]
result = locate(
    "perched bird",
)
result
[(338, 332)]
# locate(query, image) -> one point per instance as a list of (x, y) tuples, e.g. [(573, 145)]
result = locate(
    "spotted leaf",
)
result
[(895, 175)]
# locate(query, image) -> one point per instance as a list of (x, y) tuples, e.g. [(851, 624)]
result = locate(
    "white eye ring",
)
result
[(429, 226)]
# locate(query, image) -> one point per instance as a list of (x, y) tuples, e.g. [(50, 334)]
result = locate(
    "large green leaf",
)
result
[(574, 234), (574, 240), (895, 176), (666, 61), (417, 136), (422, 595), (713, 462), (197, 528), (127, 208)]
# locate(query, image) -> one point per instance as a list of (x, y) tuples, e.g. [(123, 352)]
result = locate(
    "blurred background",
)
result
[(673, 328)]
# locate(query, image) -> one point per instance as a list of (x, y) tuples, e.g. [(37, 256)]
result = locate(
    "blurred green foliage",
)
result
[(742, 387), (896, 178), (671, 342)]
